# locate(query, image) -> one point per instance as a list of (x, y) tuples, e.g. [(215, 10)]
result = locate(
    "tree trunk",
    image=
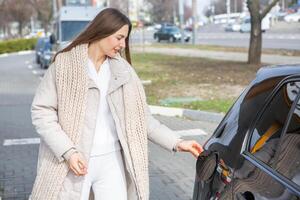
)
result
[(20, 28), (254, 54)]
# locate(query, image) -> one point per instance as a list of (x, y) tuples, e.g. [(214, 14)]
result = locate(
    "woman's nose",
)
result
[(123, 44)]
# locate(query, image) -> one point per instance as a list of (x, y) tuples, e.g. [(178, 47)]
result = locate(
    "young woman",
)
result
[(91, 113)]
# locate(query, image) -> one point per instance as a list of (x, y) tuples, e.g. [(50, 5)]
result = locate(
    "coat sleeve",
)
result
[(157, 132), (45, 118)]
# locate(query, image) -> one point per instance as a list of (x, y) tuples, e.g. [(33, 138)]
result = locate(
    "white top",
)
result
[(105, 138)]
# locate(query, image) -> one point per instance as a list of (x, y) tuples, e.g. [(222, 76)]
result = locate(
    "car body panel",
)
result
[(39, 47), (46, 55), (241, 174), (171, 33), (246, 24), (294, 17)]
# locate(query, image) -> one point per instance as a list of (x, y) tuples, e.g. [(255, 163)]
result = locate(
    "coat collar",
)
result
[(119, 74)]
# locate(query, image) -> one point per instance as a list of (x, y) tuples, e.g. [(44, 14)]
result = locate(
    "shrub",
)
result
[(15, 45)]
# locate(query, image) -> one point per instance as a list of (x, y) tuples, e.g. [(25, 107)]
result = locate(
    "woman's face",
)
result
[(112, 44)]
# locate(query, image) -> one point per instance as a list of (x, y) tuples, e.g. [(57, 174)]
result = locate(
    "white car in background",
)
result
[(232, 27), (294, 17), (246, 24)]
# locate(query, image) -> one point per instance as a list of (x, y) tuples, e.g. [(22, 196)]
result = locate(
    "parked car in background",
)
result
[(46, 55), (187, 35), (38, 48), (254, 154), (294, 17), (157, 26), (171, 33), (280, 15), (44, 52), (246, 24), (233, 27)]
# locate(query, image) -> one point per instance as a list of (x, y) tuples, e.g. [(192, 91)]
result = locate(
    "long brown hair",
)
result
[(106, 23)]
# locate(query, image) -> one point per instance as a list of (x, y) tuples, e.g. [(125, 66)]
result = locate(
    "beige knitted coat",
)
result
[(64, 114)]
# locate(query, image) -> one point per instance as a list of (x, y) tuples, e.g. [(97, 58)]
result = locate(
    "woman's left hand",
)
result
[(191, 146)]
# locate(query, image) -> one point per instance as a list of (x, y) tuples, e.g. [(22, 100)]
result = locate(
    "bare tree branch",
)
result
[(19, 11), (162, 10), (43, 9), (268, 8)]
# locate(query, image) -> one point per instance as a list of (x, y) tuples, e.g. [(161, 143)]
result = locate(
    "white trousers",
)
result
[(106, 176)]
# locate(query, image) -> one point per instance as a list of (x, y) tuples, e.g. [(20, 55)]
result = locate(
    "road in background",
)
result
[(281, 36)]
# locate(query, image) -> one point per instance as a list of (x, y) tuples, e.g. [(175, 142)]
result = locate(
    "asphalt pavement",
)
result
[(171, 175), (281, 35)]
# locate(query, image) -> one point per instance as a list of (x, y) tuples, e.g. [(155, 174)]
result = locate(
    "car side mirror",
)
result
[(206, 165), (52, 39)]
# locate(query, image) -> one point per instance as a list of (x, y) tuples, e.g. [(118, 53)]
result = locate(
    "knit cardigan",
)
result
[(72, 88)]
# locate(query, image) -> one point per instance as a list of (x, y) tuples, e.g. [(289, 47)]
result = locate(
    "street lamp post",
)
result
[(228, 10), (180, 5), (54, 7), (235, 6), (195, 21)]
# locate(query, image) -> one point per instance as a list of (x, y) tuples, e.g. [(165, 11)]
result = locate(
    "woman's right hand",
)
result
[(78, 164)]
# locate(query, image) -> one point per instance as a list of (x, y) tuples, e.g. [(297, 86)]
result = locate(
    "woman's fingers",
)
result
[(83, 166), (78, 165), (190, 146), (198, 147), (78, 170), (194, 151), (75, 170)]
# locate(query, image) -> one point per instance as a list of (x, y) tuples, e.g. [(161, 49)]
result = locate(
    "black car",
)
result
[(43, 52), (46, 55), (254, 154), (170, 33), (39, 47)]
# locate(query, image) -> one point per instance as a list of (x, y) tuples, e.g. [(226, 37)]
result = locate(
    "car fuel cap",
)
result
[(206, 165)]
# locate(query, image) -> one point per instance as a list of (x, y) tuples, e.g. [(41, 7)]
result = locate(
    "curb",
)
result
[(16, 53), (196, 115)]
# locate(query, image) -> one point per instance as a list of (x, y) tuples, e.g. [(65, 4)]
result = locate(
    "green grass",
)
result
[(177, 77)]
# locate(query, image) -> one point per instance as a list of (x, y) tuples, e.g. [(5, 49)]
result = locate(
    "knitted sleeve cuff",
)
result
[(67, 154), (175, 148)]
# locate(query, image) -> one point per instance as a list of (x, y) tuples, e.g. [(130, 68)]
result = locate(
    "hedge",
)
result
[(15, 45)]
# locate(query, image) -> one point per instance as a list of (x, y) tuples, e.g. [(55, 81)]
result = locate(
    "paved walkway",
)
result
[(219, 55)]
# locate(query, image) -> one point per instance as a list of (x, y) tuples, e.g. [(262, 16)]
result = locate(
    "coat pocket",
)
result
[(71, 188)]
